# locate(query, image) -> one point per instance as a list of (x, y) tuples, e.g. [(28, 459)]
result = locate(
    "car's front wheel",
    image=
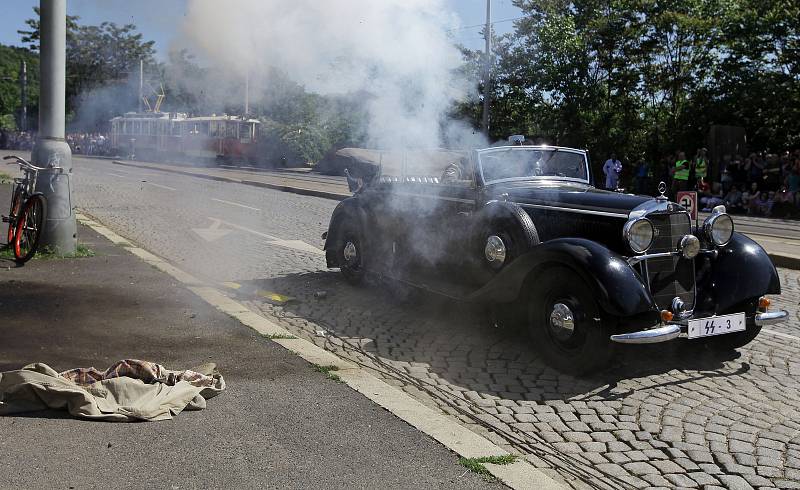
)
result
[(564, 323), (350, 251)]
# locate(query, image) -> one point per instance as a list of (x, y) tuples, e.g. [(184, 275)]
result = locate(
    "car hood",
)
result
[(571, 195)]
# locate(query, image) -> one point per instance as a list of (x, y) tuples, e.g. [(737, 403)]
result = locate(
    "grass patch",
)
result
[(5, 178), (279, 336), (48, 253), (328, 371), (82, 251), (475, 465)]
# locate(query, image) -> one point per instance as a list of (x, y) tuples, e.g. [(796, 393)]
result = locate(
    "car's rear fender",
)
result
[(618, 288), (348, 209)]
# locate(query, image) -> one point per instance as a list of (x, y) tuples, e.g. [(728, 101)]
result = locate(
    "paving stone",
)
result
[(595, 447), (618, 458), (657, 481), (640, 468), (577, 437), (734, 482), (681, 480), (700, 456), (737, 446), (687, 464), (567, 447), (757, 481), (636, 455), (666, 466), (786, 484), (703, 478), (603, 436), (770, 471)]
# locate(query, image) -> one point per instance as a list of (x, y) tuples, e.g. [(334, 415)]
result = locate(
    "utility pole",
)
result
[(23, 94), (141, 84), (487, 69), (246, 94), (51, 150)]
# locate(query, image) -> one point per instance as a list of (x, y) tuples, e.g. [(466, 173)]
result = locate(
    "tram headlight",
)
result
[(639, 234)]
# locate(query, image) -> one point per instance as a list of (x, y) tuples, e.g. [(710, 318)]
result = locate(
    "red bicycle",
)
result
[(28, 212)]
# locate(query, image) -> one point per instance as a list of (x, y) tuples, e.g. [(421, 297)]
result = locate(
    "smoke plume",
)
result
[(393, 53)]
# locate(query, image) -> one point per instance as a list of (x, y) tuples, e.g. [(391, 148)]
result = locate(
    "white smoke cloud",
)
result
[(395, 52)]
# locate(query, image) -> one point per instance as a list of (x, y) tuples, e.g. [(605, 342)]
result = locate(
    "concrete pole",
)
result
[(487, 73), (23, 95), (141, 85), (51, 150), (246, 95)]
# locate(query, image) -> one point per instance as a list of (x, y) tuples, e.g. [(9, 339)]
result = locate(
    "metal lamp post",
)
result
[(51, 149)]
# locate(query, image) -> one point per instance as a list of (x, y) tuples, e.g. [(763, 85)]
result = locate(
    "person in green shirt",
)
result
[(701, 165), (680, 180)]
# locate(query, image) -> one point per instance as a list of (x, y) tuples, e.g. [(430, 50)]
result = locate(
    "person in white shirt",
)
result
[(612, 168)]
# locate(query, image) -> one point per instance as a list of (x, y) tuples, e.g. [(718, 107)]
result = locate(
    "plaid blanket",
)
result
[(147, 371)]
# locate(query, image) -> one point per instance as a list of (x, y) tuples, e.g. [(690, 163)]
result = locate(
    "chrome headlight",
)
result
[(639, 234), (689, 246), (718, 228)]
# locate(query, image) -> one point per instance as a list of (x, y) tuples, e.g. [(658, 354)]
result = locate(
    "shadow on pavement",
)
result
[(460, 344)]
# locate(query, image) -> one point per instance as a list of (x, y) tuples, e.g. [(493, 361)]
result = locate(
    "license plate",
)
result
[(716, 325)]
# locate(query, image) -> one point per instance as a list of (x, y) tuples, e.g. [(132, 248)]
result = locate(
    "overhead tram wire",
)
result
[(484, 24)]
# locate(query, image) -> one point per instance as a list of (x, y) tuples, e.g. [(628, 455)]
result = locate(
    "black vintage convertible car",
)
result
[(522, 228)]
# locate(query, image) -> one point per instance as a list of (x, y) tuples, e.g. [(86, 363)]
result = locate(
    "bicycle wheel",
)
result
[(16, 204), (30, 224)]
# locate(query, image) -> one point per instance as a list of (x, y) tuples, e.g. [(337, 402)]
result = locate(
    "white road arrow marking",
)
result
[(213, 232), (273, 240), (231, 203)]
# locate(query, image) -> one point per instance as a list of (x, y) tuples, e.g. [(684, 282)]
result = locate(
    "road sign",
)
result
[(688, 199)]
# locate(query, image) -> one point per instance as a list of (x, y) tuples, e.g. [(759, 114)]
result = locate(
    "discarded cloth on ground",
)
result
[(130, 390)]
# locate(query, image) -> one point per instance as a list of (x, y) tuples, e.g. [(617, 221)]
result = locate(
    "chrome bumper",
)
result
[(771, 317), (673, 331), (652, 336)]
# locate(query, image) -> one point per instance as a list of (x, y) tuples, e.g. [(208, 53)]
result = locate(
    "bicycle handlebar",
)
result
[(24, 163)]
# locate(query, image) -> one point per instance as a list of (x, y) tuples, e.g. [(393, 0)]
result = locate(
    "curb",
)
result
[(788, 261), (436, 424), (278, 187)]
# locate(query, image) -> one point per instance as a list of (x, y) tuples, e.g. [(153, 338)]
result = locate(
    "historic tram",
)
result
[(174, 136)]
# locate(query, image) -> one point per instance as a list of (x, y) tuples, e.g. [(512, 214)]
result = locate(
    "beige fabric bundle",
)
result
[(116, 399)]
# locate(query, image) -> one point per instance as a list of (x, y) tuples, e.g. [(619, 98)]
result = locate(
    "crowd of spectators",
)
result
[(759, 184), (79, 143)]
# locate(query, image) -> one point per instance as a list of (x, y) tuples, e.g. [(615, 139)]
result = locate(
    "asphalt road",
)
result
[(664, 415)]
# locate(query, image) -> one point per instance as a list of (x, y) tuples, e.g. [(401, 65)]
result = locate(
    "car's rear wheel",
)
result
[(564, 323), (506, 237), (350, 251)]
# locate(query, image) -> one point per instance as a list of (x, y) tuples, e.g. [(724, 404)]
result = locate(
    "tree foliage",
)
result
[(10, 90), (645, 77)]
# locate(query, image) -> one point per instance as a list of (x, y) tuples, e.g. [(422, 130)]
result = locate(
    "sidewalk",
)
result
[(280, 424)]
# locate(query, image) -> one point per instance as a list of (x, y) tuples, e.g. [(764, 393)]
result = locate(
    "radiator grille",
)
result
[(672, 276)]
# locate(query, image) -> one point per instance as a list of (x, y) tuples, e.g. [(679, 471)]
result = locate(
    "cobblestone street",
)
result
[(665, 415)]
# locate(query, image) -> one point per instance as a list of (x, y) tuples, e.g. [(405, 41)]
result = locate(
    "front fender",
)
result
[(741, 271), (619, 289)]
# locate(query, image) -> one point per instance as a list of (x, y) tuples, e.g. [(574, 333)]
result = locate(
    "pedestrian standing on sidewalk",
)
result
[(680, 181), (612, 168)]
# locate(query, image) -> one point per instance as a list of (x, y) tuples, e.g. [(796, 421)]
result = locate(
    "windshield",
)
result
[(513, 163)]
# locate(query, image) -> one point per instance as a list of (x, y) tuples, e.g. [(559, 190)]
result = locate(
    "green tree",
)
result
[(10, 90)]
